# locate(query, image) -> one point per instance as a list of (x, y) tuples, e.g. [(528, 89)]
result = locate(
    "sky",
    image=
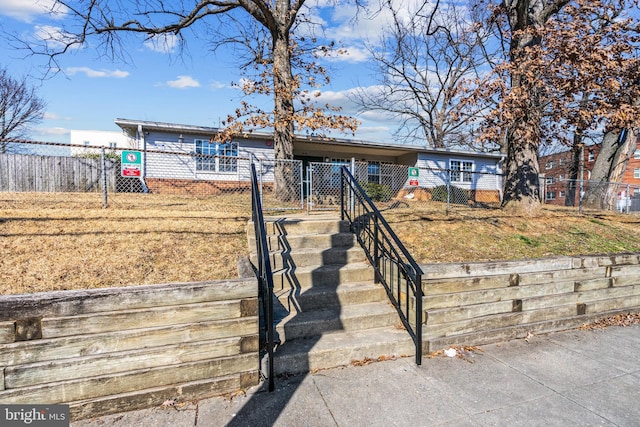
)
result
[(158, 83)]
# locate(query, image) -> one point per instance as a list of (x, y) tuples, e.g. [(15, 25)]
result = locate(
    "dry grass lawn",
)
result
[(68, 241)]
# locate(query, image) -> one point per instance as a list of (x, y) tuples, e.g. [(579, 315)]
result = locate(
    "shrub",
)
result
[(377, 192), (457, 195)]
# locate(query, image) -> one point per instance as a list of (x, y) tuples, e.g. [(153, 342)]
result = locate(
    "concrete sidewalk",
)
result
[(571, 378)]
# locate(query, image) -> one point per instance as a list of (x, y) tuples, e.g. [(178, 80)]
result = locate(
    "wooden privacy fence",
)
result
[(19, 172)]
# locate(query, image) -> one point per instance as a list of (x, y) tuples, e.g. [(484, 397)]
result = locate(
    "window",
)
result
[(636, 154), (636, 191), (373, 172), (561, 161), (560, 177), (113, 144), (551, 195), (549, 180), (86, 143), (216, 157), (592, 156), (561, 193), (336, 166), (379, 173), (636, 173), (549, 164), (461, 171)]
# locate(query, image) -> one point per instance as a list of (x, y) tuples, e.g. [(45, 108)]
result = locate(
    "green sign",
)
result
[(414, 172), (131, 163)]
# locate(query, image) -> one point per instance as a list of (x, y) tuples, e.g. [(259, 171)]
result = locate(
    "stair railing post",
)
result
[(376, 249)]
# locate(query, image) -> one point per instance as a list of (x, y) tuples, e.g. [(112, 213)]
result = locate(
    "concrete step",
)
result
[(323, 276), (306, 241), (339, 349), (313, 256), (320, 297), (289, 226), (293, 326)]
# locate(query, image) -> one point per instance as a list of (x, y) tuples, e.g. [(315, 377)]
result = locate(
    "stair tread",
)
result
[(347, 311), (331, 341), (342, 287), (321, 268)]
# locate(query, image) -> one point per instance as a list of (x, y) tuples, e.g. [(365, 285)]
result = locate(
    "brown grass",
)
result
[(68, 241)]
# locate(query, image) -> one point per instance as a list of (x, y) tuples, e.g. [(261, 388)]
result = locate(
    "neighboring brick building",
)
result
[(555, 171)]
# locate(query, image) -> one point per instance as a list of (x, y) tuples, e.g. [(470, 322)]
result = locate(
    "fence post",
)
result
[(301, 166), (104, 177), (448, 189), (274, 176)]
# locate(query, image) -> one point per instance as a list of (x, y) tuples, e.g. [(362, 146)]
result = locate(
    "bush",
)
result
[(457, 195), (377, 192)]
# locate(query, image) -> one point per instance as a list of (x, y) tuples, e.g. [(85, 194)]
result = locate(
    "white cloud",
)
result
[(352, 54), (163, 43), (27, 10), (215, 85), (48, 115), (90, 72), (54, 37), (52, 131), (182, 82)]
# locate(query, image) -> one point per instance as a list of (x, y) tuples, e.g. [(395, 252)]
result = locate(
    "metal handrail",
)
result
[(265, 275), (394, 266)]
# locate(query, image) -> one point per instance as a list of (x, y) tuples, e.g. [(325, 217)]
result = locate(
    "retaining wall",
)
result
[(480, 303), (111, 350)]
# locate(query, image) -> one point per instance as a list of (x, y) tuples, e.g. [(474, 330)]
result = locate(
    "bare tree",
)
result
[(422, 63), (266, 28), (20, 108)]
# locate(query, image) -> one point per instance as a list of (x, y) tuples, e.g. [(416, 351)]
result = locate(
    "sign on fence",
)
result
[(131, 164), (413, 176)]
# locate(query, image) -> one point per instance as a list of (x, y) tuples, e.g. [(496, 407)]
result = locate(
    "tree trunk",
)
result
[(608, 169), (574, 169), (283, 88), (522, 183), (521, 186)]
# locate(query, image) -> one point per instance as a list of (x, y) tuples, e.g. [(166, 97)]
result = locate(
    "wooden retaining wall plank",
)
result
[(611, 304), (497, 321), (608, 293), (134, 319), (593, 284), (89, 388), (25, 375), (549, 301), (67, 303), (154, 397), (471, 269), (499, 294), (7, 332), (627, 280), (516, 331), (619, 259), (449, 315), (454, 285), (562, 275), (77, 346)]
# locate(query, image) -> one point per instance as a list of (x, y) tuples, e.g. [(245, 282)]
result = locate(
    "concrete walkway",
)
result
[(571, 378)]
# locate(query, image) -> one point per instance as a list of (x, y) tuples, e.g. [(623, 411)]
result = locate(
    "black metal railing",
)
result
[(394, 267), (265, 275)]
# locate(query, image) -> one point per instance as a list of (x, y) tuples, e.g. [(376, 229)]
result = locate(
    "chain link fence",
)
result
[(587, 194), (124, 177), (402, 186), (119, 176)]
